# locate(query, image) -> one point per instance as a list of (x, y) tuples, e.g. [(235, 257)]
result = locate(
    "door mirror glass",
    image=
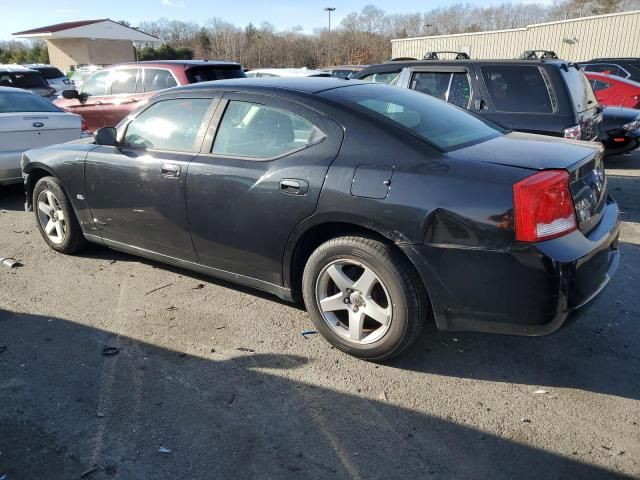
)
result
[(107, 136)]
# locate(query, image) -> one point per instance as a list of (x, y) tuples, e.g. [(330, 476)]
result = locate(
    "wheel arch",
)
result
[(36, 171), (310, 235)]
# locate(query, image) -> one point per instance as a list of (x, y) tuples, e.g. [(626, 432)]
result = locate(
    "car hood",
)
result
[(526, 150)]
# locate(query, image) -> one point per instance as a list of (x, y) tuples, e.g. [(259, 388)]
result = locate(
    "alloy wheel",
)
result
[(51, 217)]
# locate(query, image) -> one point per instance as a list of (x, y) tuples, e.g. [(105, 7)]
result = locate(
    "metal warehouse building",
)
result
[(613, 35)]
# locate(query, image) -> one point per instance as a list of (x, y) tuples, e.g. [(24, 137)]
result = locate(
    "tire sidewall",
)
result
[(393, 283), (50, 183)]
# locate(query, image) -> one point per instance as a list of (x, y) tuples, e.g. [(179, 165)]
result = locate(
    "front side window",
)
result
[(96, 85), (389, 78), (438, 123), (168, 125), (158, 79), (452, 87), (124, 81), (518, 89), (258, 131)]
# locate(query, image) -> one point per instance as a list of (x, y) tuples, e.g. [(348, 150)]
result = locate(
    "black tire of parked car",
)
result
[(410, 305), (74, 239)]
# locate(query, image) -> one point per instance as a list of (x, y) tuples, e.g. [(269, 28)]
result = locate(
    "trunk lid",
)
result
[(583, 161), (22, 131)]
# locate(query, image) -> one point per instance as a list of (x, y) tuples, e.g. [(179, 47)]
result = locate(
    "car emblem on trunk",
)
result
[(38, 124)]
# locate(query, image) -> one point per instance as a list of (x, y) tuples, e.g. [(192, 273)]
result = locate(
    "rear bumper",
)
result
[(530, 289)]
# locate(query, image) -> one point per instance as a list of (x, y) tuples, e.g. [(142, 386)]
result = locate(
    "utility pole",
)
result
[(259, 59), (329, 10)]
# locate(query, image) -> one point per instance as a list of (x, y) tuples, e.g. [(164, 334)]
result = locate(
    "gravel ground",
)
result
[(212, 380)]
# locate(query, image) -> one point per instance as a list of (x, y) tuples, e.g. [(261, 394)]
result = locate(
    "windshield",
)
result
[(49, 73), (11, 102), (441, 124), (579, 89), (214, 72)]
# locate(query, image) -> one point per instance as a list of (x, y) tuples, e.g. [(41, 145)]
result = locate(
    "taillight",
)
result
[(574, 133), (543, 207), (84, 128)]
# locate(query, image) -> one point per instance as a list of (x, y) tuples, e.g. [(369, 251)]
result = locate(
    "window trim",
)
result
[(216, 121), (547, 83), (111, 82), (600, 64), (444, 69), (197, 142)]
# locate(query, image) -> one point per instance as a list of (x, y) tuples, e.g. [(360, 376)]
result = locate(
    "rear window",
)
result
[(49, 73), (579, 88), (518, 89), (210, 73), (11, 102), (23, 80), (441, 124)]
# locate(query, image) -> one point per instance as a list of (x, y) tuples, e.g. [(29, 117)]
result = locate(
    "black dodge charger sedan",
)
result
[(378, 206)]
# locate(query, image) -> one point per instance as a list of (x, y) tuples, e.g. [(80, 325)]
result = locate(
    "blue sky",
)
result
[(283, 14)]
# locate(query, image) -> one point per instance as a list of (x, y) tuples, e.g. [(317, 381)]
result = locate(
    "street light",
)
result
[(329, 10)]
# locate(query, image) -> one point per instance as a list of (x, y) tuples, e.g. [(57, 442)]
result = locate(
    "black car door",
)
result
[(136, 192), (260, 173)]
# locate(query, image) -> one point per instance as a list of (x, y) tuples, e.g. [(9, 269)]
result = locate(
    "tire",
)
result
[(66, 235), (397, 300)]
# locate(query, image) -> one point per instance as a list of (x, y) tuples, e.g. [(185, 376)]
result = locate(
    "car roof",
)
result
[(413, 63), (293, 72), (15, 68), (309, 85), (183, 63)]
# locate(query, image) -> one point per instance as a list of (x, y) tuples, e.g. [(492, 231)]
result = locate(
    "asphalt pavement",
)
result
[(116, 367)]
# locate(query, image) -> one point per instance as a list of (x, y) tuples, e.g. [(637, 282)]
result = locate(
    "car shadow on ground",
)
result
[(67, 409)]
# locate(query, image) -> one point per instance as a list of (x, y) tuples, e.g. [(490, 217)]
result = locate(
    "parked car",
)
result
[(378, 206), (344, 71), (615, 91), (52, 75), (110, 94), (17, 76), (628, 68), (286, 72), (621, 127), (80, 74), (29, 121), (548, 97)]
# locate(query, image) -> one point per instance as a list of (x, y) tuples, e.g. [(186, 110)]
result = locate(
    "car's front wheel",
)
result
[(363, 297), (57, 221)]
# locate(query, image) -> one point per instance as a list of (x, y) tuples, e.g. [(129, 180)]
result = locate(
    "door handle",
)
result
[(170, 170), (294, 186)]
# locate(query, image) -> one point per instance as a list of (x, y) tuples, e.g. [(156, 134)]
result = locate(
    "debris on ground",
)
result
[(86, 473), (220, 328), (100, 415), (108, 351), (232, 398), (244, 349), (198, 286), (525, 420), (164, 450), (3, 348), (383, 396), (540, 392), (172, 308), (159, 288), (10, 262), (305, 333)]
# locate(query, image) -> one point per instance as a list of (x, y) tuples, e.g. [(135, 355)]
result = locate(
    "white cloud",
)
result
[(172, 3)]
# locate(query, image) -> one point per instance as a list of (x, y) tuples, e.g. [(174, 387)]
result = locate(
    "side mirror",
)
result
[(107, 136), (70, 94)]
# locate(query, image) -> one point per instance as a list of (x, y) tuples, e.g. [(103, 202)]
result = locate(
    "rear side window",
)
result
[(124, 81), (579, 89), (49, 73), (213, 72), (390, 78), (258, 131), (439, 123), (518, 89), (97, 84), (452, 87), (169, 125), (11, 102), (158, 79)]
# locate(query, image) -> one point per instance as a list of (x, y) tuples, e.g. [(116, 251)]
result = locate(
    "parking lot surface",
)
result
[(211, 380)]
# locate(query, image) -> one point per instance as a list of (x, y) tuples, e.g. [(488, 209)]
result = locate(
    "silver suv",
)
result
[(52, 75)]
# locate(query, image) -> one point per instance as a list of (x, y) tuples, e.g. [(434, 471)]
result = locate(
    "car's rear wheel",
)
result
[(363, 297), (57, 221)]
